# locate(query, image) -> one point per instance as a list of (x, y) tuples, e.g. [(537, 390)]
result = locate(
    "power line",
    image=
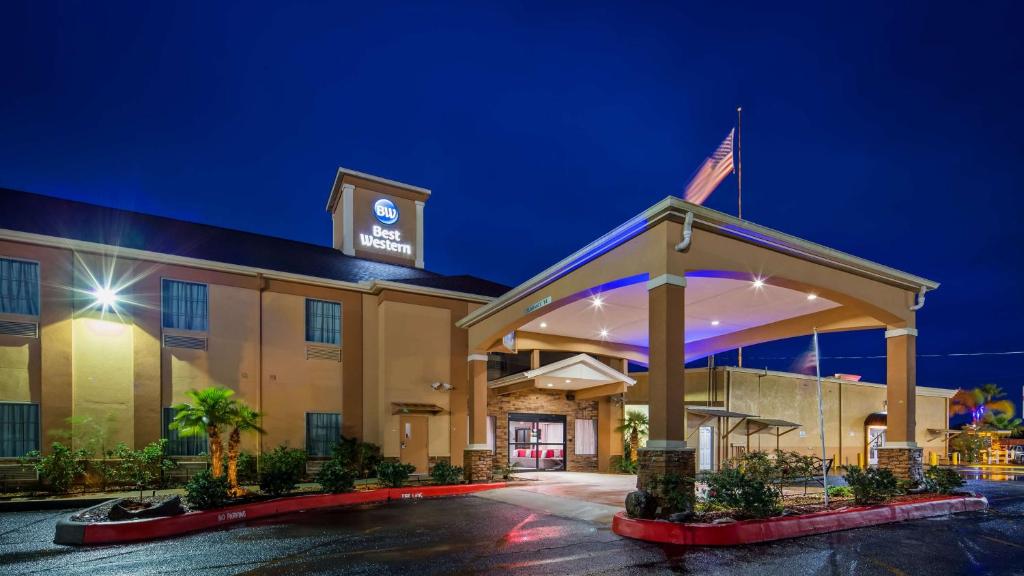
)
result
[(879, 356)]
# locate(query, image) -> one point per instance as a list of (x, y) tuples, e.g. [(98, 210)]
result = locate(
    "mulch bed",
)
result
[(809, 504)]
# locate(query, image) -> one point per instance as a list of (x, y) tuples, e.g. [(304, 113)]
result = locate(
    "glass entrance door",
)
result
[(536, 441), (876, 439)]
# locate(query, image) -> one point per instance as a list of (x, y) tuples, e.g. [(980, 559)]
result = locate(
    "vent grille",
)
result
[(26, 329), (323, 353), (188, 342)]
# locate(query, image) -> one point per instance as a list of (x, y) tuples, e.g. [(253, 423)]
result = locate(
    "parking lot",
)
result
[(467, 535)]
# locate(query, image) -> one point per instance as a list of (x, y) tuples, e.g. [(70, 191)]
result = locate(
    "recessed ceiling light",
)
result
[(812, 296), (550, 384), (758, 283), (543, 324), (715, 322), (568, 381), (604, 333), (597, 301)]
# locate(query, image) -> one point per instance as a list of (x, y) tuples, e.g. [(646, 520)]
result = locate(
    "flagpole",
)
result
[(739, 190), (739, 162), (821, 418)]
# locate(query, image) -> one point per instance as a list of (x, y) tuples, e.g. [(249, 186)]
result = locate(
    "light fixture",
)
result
[(597, 301), (604, 332), (567, 381), (758, 283), (543, 324), (105, 297), (812, 296), (550, 384), (715, 322)]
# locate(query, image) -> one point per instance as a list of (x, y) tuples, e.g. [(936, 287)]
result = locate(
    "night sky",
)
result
[(893, 133)]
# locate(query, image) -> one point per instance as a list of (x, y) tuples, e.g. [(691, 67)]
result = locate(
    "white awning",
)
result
[(577, 372)]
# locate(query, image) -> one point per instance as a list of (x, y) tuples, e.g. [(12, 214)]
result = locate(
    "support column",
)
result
[(348, 233), (901, 454), (477, 458), (666, 452)]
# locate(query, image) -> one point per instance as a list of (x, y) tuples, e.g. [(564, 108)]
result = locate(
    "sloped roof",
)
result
[(57, 217)]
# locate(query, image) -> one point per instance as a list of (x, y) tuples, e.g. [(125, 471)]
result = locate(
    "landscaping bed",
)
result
[(792, 526), (83, 531)]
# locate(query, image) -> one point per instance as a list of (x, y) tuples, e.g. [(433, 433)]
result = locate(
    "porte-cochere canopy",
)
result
[(679, 282)]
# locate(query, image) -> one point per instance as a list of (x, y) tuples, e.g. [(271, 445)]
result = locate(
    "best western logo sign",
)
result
[(381, 238)]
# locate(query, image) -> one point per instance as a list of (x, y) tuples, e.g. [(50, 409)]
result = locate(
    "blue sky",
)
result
[(892, 132)]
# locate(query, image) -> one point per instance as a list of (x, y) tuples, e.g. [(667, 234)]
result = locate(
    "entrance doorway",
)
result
[(706, 448), (876, 439), (413, 441), (536, 441)]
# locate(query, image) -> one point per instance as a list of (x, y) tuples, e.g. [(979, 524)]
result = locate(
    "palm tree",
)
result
[(205, 413), (979, 402), (635, 425), (243, 419), (1001, 421)]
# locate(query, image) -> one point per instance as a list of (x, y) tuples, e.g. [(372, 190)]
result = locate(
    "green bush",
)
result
[(744, 495), (363, 457), (138, 468), (970, 446), (247, 471), (942, 480), (204, 491), (507, 471), (623, 465), (281, 470), (676, 493), (58, 469), (336, 476), (393, 474), (871, 485), (840, 492), (445, 473)]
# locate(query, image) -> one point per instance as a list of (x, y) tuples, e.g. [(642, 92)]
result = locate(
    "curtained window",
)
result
[(323, 322), (178, 445), (19, 429), (323, 431), (586, 437), (19, 287), (185, 305)]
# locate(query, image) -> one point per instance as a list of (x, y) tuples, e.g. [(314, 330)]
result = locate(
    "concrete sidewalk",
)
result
[(577, 495)]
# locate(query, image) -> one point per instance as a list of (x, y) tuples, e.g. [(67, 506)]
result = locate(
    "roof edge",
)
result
[(342, 172)]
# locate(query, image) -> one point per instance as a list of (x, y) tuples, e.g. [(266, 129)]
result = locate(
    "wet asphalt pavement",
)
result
[(471, 535)]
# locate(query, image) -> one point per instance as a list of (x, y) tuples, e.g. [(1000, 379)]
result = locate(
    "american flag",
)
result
[(711, 172)]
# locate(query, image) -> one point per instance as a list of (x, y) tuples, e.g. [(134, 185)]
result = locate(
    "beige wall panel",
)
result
[(858, 403), (15, 383), (103, 375), (372, 390), (292, 385), (189, 370), (931, 415), (234, 340), (415, 346)]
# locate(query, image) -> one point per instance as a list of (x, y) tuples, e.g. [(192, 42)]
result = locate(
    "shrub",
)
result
[(336, 476), (623, 465), (839, 492), (676, 493), (205, 492), (970, 446), (138, 468), (281, 470), (942, 480), (247, 472), (363, 457), (392, 474), (445, 473), (871, 485), (746, 496), (58, 469), (507, 471)]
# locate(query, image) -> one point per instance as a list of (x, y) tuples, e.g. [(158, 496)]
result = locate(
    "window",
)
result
[(323, 322), (586, 437), (185, 305), (19, 429), (323, 431), (19, 287), (178, 445)]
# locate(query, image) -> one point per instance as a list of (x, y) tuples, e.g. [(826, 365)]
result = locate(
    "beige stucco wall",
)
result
[(414, 345), (102, 373), (15, 382), (292, 385), (782, 397)]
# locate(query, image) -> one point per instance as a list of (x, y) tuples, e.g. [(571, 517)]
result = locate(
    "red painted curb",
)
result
[(136, 530), (753, 531)]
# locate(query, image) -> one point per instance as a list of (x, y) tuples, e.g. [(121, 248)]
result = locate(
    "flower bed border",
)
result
[(754, 531), (74, 532)]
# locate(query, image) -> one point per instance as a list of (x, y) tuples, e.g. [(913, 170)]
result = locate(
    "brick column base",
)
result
[(655, 464), (478, 465), (905, 463)]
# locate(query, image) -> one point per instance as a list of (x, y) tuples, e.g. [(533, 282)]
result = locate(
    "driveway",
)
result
[(578, 495)]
